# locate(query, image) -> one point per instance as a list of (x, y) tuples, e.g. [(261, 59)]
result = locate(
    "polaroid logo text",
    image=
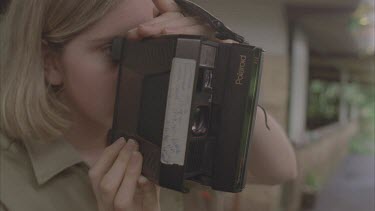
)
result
[(241, 71)]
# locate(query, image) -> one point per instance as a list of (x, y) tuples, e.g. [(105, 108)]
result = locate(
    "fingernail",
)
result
[(133, 143), (133, 31), (145, 26), (169, 31), (146, 29), (122, 140), (142, 179)]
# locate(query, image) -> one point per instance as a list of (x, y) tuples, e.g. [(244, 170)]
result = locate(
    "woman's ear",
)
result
[(53, 72)]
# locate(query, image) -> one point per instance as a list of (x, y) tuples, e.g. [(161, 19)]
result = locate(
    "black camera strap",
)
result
[(265, 117), (222, 31)]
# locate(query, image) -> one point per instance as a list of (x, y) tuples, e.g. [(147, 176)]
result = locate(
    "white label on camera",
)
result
[(177, 115)]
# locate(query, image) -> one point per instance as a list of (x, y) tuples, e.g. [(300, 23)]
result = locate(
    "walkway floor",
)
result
[(351, 188)]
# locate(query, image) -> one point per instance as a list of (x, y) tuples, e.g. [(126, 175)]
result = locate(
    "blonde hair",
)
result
[(29, 107)]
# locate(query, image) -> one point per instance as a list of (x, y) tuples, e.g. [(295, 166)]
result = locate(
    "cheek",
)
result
[(90, 84)]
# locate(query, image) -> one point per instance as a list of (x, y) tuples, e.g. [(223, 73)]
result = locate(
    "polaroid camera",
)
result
[(190, 103)]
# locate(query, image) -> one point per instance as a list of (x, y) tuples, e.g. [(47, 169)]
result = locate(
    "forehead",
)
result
[(125, 15)]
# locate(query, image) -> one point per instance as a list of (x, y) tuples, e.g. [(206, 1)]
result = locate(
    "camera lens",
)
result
[(200, 121), (207, 79), (204, 80)]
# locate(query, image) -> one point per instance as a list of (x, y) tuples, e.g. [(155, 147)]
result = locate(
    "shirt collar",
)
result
[(50, 158)]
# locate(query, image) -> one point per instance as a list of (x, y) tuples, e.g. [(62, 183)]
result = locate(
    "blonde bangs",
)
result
[(29, 107)]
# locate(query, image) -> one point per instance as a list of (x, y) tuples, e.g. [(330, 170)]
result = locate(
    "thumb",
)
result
[(166, 6)]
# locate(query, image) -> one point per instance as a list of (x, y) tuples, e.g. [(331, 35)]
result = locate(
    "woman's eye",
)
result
[(108, 50)]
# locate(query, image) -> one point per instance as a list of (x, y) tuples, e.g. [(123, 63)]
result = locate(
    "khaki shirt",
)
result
[(37, 176), (52, 176)]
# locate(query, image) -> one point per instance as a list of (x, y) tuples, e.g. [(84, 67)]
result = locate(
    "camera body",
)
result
[(190, 103)]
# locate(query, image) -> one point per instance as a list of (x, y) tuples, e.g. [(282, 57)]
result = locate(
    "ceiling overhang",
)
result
[(333, 40)]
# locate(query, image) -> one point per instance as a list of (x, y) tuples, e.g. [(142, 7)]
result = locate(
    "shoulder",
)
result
[(21, 191), (15, 170), (13, 153), (4, 142), (14, 159)]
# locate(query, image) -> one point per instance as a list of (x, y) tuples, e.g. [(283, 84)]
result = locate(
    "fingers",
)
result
[(136, 33), (228, 41), (150, 194), (112, 179), (105, 162), (191, 30), (125, 195), (117, 182), (118, 163), (171, 23), (159, 29), (166, 6), (165, 18)]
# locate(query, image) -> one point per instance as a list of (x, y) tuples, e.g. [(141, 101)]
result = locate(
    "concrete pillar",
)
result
[(299, 85)]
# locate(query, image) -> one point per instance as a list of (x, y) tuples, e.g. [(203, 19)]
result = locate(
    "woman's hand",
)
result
[(117, 182), (170, 20)]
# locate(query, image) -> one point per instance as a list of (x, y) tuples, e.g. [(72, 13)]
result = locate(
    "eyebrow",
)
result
[(108, 37), (111, 35)]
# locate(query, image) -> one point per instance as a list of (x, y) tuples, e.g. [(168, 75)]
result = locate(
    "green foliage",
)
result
[(364, 141), (324, 100), (358, 95), (312, 181), (323, 103), (362, 146)]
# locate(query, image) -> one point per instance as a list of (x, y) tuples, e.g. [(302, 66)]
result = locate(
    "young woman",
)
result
[(56, 103)]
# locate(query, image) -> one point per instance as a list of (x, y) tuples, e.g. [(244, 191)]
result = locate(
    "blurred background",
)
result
[(318, 82)]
